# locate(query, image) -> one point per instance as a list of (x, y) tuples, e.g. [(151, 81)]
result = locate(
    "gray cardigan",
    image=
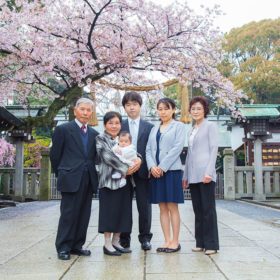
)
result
[(108, 162), (201, 159), (171, 145)]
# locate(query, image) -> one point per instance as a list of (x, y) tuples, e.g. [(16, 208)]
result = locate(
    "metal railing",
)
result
[(31, 184), (219, 189)]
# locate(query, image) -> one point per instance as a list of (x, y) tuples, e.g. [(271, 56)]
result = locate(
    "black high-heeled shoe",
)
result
[(111, 253)]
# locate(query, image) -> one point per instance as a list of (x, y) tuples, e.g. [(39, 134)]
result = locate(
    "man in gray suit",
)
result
[(139, 130)]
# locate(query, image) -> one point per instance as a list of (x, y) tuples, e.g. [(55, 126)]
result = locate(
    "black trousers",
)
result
[(204, 207), (144, 210), (75, 209)]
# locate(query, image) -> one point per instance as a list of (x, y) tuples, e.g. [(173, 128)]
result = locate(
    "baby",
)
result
[(126, 152)]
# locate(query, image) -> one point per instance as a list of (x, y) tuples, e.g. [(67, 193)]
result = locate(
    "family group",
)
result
[(134, 158)]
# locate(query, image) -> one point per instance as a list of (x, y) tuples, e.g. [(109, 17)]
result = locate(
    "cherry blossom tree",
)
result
[(106, 42)]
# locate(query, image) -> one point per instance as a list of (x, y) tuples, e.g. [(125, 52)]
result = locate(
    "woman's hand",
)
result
[(185, 184), (135, 167), (157, 172), (160, 171), (207, 179)]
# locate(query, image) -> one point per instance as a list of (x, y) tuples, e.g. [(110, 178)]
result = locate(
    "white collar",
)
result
[(137, 121), (80, 124)]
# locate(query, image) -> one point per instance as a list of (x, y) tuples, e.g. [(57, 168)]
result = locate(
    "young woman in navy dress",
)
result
[(163, 151)]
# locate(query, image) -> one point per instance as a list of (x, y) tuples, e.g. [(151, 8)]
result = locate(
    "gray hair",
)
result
[(85, 101)]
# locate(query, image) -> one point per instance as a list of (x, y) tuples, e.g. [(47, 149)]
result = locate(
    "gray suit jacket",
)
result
[(171, 145), (201, 159)]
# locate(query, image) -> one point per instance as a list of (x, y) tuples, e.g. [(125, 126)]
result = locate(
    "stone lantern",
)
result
[(256, 123)]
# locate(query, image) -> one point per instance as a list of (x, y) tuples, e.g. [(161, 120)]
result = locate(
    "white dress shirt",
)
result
[(134, 129), (80, 125)]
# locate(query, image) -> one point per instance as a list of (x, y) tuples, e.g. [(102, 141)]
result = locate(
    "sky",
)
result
[(238, 12)]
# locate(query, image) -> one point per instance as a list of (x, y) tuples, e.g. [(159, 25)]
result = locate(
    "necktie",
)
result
[(83, 129), (133, 132)]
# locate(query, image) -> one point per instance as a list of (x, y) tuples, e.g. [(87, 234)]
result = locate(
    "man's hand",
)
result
[(185, 184), (135, 167), (207, 179)]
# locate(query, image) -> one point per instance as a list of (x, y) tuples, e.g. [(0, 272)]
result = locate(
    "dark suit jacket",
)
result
[(69, 159), (143, 136)]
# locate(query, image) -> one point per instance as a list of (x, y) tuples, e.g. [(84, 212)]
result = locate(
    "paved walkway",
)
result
[(249, 241)]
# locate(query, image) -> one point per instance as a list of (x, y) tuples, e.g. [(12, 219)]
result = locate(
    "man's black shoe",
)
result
[(63, 255), (146, 246), (125, 244), (80, 252)]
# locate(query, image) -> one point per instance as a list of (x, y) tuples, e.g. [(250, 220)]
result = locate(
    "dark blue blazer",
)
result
[(143, 136), (69, 159)]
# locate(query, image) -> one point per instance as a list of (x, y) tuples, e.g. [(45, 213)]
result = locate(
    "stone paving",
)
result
[(249, 247)]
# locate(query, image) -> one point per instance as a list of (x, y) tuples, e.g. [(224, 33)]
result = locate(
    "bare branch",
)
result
[(92, 28), (90, 6), (45, 85)]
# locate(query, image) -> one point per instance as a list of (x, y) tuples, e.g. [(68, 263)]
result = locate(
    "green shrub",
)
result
[(32, 151)]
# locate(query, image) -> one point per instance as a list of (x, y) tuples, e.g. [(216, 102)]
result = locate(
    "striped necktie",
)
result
[(83, 129)]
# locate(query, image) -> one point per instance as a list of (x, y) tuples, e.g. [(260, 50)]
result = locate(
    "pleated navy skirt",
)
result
[(167, 188)]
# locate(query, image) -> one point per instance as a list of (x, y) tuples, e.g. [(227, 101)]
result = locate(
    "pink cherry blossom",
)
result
[(79, 42), (7, 153)]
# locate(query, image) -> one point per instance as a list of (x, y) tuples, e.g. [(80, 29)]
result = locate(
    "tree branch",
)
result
[(68, 97), (45, 85), (56, 35), (92, 28), (90, 6)]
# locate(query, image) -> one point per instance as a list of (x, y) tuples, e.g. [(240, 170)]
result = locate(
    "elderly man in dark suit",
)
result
[(139, 130), (72, 157)]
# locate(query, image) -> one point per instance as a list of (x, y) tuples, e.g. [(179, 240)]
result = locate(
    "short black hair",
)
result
[(110, 115), (132, 96), (125, 133)]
